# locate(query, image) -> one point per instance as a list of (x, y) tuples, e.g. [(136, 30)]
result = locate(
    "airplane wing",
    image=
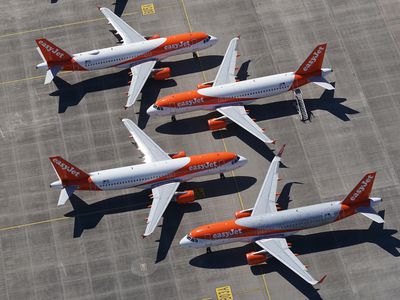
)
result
[(128, 34), (140, 73), (279, 249), (151, 151), (238, 115), (162, 195), (266, 198), (226, 72)]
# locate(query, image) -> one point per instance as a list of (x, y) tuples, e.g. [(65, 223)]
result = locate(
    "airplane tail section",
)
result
[(67, 172), (51, 53), (313, 63), (361, 191)]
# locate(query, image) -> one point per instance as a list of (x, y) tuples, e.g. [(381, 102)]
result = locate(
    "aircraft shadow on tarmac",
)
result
[(72, 94), (260, 112), (87, 216), (120, 7), (303, 244)]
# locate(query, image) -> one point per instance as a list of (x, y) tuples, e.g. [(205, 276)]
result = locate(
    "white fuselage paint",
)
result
[(116, 56), (291, 221), (254, 89), (143, 175)]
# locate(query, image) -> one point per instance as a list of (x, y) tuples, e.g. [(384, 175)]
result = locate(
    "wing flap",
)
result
[(151, 151), (238, 115), (162, 196), (279, 249), (128, 34), (140, 73), (226, 72)]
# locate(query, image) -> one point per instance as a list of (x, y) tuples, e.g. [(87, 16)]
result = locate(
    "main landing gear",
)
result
[(173, 118), (221, 175), (208, 250), (195, 55)]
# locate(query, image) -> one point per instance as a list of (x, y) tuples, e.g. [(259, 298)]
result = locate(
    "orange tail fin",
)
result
[(67, 171), (362, 190), (51, 52), (314, 61)]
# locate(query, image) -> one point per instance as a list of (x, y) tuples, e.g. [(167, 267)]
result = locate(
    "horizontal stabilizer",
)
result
[(51, 73), (322, 82), (369, 212), (65, 194)]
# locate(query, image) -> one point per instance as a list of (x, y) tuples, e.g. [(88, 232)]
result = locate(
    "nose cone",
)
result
[(213, 40), (185, 243), (242, 160), (151, 111)]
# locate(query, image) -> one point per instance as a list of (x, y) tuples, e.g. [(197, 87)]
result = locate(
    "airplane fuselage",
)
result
[(153, 174), (271, 225), (132, 54), (236, 93)]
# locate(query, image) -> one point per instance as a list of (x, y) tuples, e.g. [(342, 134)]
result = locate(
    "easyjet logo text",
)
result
[(207, 165), (313, 59), (51, 49), (362, 187), (226, 234), (69, 169), (177, 45), (190, 102)]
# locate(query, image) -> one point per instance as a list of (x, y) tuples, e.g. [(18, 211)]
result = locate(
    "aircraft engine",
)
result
[(161, 74), (177, 154), (243, 213), (185, 197), (217, 124), (254, 258)]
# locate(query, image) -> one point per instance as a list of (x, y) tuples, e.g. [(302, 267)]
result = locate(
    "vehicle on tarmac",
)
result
[(162, 172)]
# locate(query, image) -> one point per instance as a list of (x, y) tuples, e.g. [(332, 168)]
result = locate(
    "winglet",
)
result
[(322, 279), (281, 151)]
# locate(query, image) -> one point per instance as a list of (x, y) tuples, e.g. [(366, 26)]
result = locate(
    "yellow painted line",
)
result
[(148, 9), (266, 286), (33, 223), (29, 78), (186, 15), (226, 149), (224, 293)]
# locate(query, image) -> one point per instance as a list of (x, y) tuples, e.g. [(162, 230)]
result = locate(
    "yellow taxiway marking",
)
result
[(33, 223), (226, 149), (29, 78), (148, 9), (224, 293)]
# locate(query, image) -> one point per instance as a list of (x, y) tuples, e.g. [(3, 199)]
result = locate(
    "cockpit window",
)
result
[(207, 39), (192, 239), (235, 160), (157, 107)]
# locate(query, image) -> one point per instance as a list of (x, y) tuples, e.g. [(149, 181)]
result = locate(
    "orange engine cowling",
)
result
[(161, 74), (254, 258), (177, 154), (217, 124), (153, 37), (185, 197), (242, 214), (203, 86)]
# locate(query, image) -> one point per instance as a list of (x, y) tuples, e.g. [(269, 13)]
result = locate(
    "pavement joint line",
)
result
[(224, 143), (29, 78), (33, 223)]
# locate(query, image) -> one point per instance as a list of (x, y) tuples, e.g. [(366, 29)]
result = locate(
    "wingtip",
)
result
[(273, 142), (281, 150)]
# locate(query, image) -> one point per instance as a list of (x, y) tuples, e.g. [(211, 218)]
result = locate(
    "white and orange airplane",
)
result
[(228, 96), (161, 172), (268, 227), (137, 52)]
